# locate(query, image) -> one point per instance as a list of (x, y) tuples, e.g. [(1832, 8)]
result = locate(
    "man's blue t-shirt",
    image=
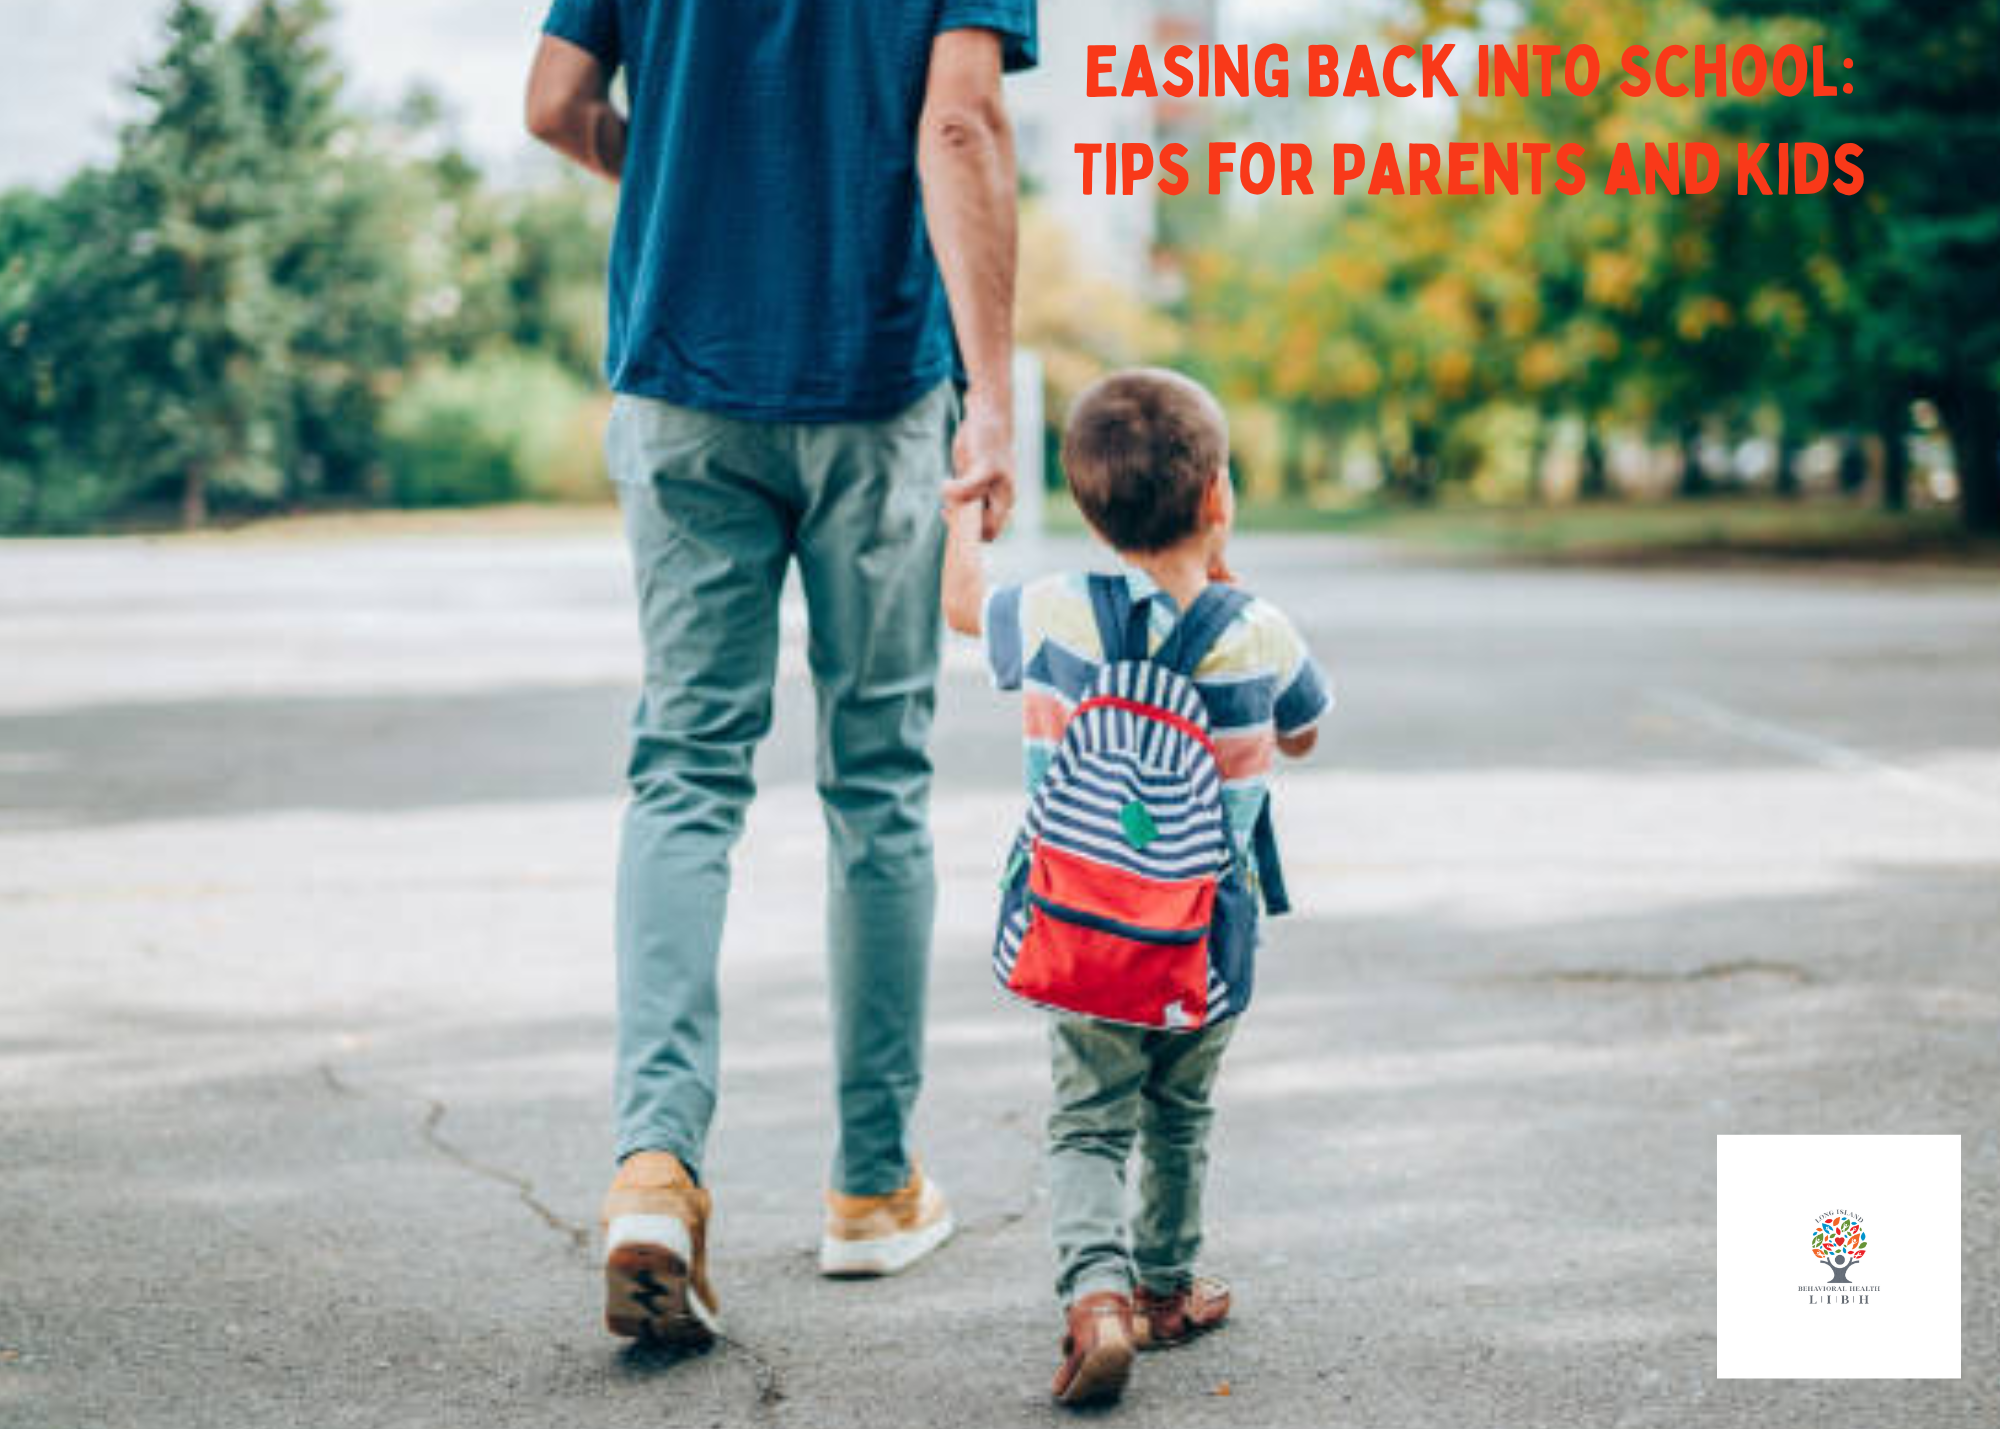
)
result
[(770, 259)]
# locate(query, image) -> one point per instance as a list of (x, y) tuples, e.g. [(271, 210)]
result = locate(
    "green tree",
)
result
[(207, 289), (67, 324), (555, 275), (229, 312), (1926, 265), (333, 296)]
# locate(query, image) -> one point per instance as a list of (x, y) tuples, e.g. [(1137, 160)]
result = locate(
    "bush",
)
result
[(17, 498), (574, 470), (55, 495), (489, 430)]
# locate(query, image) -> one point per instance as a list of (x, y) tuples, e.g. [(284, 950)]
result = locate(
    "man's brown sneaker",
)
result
[(656, 1254), (881, 1235), (1097, 1350), (1168, 1320)]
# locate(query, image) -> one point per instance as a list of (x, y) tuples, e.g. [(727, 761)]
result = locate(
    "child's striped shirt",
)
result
[(1258, 681)]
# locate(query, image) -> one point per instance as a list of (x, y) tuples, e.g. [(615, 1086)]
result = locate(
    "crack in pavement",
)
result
[(764, 1376), (577, 1235), (766, 1383), (649, 1358)]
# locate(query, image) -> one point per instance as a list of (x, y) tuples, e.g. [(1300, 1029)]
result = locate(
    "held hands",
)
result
[(964, 520), (976, 502), (982, 458), (964, 571)]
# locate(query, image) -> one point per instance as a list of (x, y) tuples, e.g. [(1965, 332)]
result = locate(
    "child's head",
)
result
[(1146, 453)]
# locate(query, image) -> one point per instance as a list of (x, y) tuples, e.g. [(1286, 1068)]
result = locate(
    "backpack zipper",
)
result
[(1175, 937)]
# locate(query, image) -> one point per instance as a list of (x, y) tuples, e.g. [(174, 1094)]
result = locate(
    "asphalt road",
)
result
[(305, 1000)]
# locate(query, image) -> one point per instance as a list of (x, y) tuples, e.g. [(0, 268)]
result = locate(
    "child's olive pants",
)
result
[(716, 509), (1115, 1085)]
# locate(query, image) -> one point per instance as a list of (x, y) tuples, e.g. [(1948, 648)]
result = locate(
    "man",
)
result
[(783, 310)]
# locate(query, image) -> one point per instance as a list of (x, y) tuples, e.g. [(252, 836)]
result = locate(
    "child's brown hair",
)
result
[(1139, 452)]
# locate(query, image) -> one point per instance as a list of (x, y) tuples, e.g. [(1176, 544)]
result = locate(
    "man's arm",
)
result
[(965, 156), (570, 110)]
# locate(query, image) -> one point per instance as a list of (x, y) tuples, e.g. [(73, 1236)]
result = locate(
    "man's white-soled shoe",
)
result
[(656, 1254), (881, 1235)]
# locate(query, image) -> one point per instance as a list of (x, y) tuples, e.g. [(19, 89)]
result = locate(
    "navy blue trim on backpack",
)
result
[(1123, 624), (1199, 627), (1113, 925), (1270, 873), (1124, 628)]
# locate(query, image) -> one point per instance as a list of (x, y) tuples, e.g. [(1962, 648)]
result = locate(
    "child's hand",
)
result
[(964, 571), (964, 518)]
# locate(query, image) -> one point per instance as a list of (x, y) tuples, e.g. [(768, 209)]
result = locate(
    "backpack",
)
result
[(1124, 898)]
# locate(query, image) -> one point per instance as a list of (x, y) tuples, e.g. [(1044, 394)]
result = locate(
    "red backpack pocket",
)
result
[(1111, 944)]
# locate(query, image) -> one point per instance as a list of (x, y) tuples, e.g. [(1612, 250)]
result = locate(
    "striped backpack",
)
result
[(1124, 898)]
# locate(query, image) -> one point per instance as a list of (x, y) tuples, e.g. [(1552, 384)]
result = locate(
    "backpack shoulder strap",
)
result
[(1270, 872), (1196, 632), (1121, 621)]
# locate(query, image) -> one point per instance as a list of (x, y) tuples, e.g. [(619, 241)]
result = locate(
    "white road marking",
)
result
[(1824, 752)]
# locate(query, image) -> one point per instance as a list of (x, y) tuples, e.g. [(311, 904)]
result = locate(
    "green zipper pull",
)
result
[(1137, 821)]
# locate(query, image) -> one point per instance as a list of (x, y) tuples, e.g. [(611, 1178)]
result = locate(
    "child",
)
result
[(1146, 456)]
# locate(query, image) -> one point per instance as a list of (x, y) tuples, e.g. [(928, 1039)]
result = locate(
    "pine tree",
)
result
[(204, 293), (308, 302)]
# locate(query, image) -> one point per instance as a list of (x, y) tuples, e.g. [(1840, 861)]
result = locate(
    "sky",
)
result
[(63, 63)]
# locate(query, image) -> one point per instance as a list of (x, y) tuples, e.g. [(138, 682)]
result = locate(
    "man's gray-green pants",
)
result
[(716, 508), (1115, 1086)]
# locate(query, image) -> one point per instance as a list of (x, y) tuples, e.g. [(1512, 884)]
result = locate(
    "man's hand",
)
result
[(982, 458)]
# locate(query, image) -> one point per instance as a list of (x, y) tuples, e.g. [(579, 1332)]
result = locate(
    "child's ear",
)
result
[(1218, 502)]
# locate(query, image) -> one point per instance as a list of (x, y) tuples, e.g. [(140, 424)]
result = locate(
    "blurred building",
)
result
[(1116, 235)]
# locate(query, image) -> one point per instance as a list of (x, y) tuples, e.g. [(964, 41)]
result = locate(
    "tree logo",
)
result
[(1839, 1242)]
